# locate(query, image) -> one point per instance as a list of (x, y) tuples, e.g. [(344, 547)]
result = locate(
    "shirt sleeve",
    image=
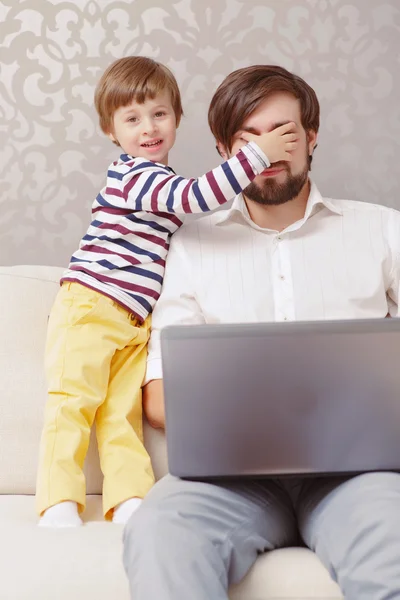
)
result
[(156, 190), (394, 245), (177, 305)]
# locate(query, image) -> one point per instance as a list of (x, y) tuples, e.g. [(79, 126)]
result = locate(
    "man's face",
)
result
[(284, 180)]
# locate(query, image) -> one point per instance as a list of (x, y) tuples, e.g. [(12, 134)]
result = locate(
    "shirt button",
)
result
[(285, 318), (279, 238), (282, 277)]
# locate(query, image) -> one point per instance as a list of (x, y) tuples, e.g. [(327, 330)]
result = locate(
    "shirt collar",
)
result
[(239, 211)]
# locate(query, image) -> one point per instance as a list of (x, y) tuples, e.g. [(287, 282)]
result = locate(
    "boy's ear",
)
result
[(222, 151), (113, 138)]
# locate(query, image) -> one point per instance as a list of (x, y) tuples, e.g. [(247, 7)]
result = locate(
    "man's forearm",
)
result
[(153, 403)]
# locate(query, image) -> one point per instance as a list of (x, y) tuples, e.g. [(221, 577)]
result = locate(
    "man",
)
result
[(282, 252)]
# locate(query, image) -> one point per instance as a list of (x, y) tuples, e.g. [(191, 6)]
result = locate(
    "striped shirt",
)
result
[(124, 250)]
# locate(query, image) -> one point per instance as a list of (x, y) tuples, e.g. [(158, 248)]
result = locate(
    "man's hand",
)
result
[(153, 403), (277, 144)]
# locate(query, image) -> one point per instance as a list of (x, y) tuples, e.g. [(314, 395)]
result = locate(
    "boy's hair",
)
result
[(244, 90), (134, 78)]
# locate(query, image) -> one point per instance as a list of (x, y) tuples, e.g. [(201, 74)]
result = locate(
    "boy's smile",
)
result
[(147, 130)]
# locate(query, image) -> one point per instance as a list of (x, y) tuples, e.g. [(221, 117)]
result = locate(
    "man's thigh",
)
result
[(241, 518), (353, 524)]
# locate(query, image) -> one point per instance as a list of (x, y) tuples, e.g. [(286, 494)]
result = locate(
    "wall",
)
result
[(53, 157)]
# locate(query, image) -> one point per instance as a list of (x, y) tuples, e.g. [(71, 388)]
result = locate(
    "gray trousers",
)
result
[(193, 539)]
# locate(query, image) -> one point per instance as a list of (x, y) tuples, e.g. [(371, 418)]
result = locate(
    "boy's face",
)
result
[(147, 130)]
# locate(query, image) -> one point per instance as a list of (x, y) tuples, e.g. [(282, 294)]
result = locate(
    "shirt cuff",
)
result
[(153, 371), (256, 156)]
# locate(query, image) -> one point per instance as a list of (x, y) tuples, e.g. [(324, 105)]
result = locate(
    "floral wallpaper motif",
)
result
[(53, 157)]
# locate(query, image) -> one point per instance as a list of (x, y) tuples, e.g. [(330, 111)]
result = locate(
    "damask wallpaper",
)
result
[(53, 156)]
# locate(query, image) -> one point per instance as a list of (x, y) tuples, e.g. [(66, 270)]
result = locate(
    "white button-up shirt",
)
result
[(341, 261)]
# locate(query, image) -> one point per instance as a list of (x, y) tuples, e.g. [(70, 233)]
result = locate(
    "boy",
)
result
[(99, 325)]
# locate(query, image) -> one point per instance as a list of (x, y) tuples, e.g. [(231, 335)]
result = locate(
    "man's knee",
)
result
[(159, 524), (143, 533), (144, 520)]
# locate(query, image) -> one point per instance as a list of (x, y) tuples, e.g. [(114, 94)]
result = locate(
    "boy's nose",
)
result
[(149, 127)]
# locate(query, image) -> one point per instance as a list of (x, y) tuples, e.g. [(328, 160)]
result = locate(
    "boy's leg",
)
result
[(78, 357), (193, 539), (124, 460), (353, 525)]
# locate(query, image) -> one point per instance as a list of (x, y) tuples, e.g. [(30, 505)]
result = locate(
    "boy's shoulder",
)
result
[(136, 164)]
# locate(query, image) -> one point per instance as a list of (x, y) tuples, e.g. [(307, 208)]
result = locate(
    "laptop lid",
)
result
[(268, 399)]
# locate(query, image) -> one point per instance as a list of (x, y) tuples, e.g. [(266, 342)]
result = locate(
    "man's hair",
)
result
[(134, 78), (244, 90)]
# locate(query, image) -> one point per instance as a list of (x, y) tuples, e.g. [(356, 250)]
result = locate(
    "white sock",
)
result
[(64, 514), (123, 511)]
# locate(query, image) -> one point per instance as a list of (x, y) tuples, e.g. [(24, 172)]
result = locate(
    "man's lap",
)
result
[(351, 523), (303, 503)]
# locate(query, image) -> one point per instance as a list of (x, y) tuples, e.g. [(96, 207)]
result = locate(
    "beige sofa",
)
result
[(84, 563)]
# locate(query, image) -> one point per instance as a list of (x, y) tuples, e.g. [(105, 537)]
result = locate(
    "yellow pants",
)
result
[(95, 364)]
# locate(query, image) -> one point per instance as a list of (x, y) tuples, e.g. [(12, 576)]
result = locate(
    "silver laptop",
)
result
[(276, 399)]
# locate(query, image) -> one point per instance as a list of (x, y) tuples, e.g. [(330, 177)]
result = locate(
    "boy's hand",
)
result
[(276, 144)]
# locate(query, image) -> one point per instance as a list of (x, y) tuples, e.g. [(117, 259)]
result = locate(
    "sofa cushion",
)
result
[(26, 296), (86, 563)]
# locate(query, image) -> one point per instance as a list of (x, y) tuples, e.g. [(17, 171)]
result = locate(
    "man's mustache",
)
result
[(280, 164)]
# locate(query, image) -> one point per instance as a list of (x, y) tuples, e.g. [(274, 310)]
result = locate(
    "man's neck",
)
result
[(281, 216)]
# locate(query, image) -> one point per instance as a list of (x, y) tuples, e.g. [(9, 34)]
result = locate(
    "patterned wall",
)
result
[(53, 157)]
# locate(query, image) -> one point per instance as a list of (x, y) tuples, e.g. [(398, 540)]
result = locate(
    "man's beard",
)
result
[(272, 193)]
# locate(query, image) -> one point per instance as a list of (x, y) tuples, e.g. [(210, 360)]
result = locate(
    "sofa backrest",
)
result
[(26, 296)]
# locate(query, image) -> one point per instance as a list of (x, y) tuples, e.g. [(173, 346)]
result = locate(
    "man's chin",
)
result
[(273, 191)]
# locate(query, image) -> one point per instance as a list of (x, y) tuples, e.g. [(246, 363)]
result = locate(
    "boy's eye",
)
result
[(132, 119), (160, 113)]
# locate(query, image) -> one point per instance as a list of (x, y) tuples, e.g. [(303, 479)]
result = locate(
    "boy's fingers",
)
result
[(248, 137), (286, 128), (291, 137)]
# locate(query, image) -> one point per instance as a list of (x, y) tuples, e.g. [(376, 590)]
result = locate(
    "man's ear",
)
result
[(222, 151), (312, 137)]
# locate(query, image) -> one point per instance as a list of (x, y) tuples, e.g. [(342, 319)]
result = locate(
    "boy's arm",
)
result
[(155, 190), (151, 187), (177, 305)]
